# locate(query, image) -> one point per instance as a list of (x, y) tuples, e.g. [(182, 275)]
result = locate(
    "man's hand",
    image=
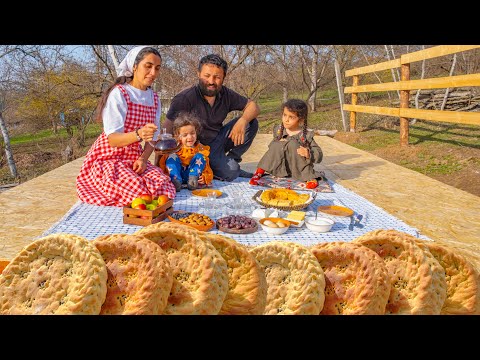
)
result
[(140, 165), (238, 132), (303, 151)]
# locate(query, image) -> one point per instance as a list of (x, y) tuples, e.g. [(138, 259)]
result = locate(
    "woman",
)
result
[(116, 169)]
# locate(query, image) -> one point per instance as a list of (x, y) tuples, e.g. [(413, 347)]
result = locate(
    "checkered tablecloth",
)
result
[(91, 221)]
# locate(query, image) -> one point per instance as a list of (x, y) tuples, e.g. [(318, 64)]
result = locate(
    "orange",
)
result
[(163, 199)]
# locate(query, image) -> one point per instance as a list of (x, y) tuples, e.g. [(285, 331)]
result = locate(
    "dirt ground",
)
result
[(464, 160)]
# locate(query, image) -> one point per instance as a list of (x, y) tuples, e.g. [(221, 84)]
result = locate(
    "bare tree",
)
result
[(283, 56), (447, 90), (111, 51), (393, 71), (417, 95), (5, 51), (374, 73), (315, 59)]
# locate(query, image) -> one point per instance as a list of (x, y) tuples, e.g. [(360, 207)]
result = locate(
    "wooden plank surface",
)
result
[(372, 109), (434, 83), (434, 52), (461, 117), (385, 65)]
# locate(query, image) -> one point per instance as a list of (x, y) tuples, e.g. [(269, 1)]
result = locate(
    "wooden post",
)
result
[(404, 103), (338, 76), (353, 114)]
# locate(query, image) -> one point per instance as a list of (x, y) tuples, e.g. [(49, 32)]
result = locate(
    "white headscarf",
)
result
[(126, 66)]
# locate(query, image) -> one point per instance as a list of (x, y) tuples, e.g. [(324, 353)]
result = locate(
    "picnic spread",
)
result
[(244, 250)]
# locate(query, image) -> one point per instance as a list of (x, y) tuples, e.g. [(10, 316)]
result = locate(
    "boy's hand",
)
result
[(303, 151)]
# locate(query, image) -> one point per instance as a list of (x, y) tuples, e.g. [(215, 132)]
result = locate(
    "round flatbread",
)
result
[(56, 274), (200, 277), (417, 280), (247, 285), (139, 275), (295, 279), (463, 283), (356, 279)]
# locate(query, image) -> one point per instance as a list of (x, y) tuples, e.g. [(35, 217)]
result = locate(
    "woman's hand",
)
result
[(146, 132), (303, 151), (140, 165)]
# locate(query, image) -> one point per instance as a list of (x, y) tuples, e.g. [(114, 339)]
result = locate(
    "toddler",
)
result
[(190, 165)]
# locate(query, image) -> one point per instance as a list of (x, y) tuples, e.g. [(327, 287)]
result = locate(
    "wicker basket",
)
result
[(256, 198)]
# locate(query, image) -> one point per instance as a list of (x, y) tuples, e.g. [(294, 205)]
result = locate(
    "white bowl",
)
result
[(320, 224), (275, 230), (263, 213)]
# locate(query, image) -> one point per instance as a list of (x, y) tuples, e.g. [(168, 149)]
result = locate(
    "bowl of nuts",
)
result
[(198, 221), (276, 226)]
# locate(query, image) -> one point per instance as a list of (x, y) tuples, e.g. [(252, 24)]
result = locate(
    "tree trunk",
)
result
[(452, 69), (111, 51), (313, 83), (393, 72), (8, 150), (417, 95), (338, 76), (285, 93)]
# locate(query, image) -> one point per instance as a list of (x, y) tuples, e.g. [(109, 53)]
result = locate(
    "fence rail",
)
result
[(405, 85)]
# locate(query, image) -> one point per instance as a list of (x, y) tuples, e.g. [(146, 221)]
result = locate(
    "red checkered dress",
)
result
[(107, 176)]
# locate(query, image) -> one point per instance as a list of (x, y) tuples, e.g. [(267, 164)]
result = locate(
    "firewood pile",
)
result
[(459, 99)]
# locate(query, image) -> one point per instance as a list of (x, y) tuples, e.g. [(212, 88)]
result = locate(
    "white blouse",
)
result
[(115, 109)]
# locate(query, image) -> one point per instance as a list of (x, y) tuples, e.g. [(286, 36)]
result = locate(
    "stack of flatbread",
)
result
[(169, 268)]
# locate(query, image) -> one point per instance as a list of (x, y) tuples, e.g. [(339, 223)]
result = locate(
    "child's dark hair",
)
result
[(122, 80), (185, 118), (300, 108), (213, 59)]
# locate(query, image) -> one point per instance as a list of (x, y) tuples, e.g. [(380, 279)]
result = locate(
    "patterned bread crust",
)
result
[(417, 283), (295, 279), (247, 285), (139, 275), (200, 276), (56, 274), (463, 282), (356, 278)]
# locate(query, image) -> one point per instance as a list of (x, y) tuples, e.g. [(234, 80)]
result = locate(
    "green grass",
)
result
[(93, 130)]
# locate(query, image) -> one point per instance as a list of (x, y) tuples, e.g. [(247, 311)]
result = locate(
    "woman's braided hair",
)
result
[(300, 108)]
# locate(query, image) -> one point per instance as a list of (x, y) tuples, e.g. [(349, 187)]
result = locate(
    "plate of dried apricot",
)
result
[(198, 221), (205, 192), (335, 210)]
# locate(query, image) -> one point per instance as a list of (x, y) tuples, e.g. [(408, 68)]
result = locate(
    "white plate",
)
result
[(295, 223)]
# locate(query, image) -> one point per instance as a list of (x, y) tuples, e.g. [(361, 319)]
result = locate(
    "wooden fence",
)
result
[(405, 85)]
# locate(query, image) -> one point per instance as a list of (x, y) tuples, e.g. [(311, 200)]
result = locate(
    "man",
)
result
[(211, 102)]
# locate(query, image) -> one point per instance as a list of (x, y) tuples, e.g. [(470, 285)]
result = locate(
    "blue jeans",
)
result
[(176, 170), (224, 156)]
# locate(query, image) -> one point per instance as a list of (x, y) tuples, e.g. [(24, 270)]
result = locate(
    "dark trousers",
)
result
[(224, 156)]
